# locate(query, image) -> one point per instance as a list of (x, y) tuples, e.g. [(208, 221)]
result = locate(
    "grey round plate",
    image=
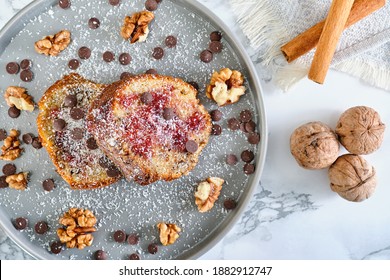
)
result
[(126, 205)]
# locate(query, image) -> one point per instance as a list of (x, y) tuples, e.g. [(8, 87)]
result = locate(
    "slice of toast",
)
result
[(72, 148), (139, 135)]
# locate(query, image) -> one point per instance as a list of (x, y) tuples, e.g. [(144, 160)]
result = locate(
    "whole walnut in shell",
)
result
[(360, 130), (352, 177), (314, 145)]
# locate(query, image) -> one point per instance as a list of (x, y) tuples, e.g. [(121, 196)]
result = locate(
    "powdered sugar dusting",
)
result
[(124, 205)]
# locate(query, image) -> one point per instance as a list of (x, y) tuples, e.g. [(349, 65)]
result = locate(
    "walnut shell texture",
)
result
[(360, 130), (352, 177), (314, 145)]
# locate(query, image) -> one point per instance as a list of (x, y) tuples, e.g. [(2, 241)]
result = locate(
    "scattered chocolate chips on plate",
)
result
[(152, 248), (233, 124), (56, 247), (64, 4), (171, 41), (48, 185), (158, 53), (13, 112), (100, 255), (93, 23), (249, 168), (125, 75), (231, 159), (151, 71), (133, 239), (84, 52), (9, 169), (216, 129), (12, 68), (108, 56), (206, 56), (28, 138), (36, 143), (215, 36), (229, 204), (3, 134), (3, 182), (114, 2), (119, 236), (25, 64), (247, 156), (216, 115), (26, 75), (134, 257), (20, 223), (41, 227), (151, 5), (124, 58), (215, 46)]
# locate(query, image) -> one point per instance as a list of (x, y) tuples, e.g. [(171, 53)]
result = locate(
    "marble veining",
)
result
[(293, 214)]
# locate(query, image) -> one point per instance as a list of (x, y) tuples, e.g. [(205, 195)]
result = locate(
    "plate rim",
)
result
[(227, 224)]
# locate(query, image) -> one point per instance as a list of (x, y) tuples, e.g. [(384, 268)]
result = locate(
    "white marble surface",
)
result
[(294, 214)]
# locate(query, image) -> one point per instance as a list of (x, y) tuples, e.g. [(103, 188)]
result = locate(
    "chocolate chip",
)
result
[(70, 101), (59, 124), (28, 138), (168, 114), (134, 257), (77, 133), (124, 58), (100, 255), (215, 46), (36, 143), (247, 156), (20, 223), (231, 159), (73, 64), (9, 169), (215, 36), (48, 185), (3, 182), (91, 144), (113, 171), (104, 162), (216, 129), (76, 113), (250, 126), (3, 134), (146, 98), (170, 41), (249, 168), (41, 227), (126, 75), (216, 115), (119, 236), (206, 56), (191, 146), (13, 112), (254, 138), (151, 5), (12, 68), (26, 75), (26, 64), (233, 124), (229, 204), (245, 116), (114, 2), (194, 84), (64, 4), (84, 52), (152, 248), (151, 71), (158, 53), (133, 239), (108, 56), (56, 247), (94, 23)]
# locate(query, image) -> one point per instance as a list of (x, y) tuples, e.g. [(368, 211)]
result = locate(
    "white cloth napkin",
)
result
[(363, 51)]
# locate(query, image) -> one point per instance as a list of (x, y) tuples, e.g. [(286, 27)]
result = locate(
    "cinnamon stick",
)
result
[(308, 40), (334, 26)]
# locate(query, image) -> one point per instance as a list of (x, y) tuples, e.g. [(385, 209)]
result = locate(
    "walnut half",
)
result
[(226, 87), (169, 233), (11, 148), (18, 97), (53, 44), (136, 27), (78, 226), (18, 181), (207, 193)]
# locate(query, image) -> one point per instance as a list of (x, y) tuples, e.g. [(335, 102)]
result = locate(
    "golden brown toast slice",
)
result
[(152, 127), (61, 127)]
